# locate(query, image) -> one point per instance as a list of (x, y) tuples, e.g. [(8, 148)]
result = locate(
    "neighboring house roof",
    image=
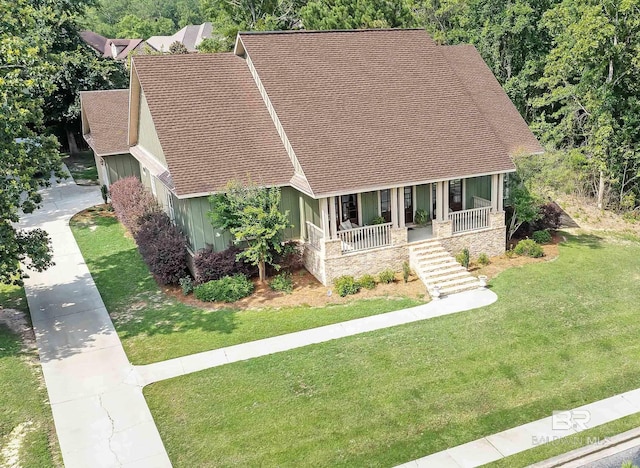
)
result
[(190, 36), (373, 108), (117, 49), (491, 100), (105, 120), (211, 122)]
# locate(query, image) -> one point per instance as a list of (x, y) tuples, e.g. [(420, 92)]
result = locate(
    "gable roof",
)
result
[(190, 36), (114, 48), (107, 115), (370, 108), (211, 122), (491, 100)]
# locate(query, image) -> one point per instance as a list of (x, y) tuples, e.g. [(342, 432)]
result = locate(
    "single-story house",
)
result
[(362, 130), (117, 49)]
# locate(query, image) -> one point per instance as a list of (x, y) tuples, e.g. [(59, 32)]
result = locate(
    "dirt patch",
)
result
[(588, 217), (17, 322), (307, 290), (10, 451), (87, 217)]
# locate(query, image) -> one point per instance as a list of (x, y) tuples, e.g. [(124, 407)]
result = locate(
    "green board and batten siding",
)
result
[(423, 198), (479, 187), (290, 201), (120, 166), (147, 136), (369, 207)]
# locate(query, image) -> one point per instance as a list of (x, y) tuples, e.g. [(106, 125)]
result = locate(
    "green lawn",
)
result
[(82, 166), (27, 434), (563, 333), (154, 327)]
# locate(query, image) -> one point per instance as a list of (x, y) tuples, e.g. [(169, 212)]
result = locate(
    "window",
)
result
[(347, 208), (455, 195), (408, 204), (385, 205)]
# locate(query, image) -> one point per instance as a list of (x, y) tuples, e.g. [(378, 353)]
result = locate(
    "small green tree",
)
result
[(525, 208), (252, 215), (178, 48)]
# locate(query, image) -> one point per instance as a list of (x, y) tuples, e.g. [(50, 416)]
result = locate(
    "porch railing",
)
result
[(470, 220), (315, 235), (479, 202), (366, 237)]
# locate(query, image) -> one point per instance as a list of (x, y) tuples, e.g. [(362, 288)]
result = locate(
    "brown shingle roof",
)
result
[(212, 123), (108, 115), (491, 100), (373, 108)]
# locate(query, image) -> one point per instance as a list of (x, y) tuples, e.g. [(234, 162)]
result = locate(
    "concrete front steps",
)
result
[(436, 267)]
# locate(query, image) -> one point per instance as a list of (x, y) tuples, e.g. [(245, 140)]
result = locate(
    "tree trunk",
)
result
[(262, 271), (601, 191), (71, 139)]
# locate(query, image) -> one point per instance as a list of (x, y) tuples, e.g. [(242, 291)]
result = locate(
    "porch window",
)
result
[(385, 205), (455, 195), (347, 208), (408, 204)]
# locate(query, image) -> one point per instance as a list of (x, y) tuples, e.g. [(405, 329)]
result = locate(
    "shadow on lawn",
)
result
[(138, 306), (583, 240)]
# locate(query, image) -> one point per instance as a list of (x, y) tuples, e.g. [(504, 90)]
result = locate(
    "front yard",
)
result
[(27, 435), (154, 326), (563, 333)]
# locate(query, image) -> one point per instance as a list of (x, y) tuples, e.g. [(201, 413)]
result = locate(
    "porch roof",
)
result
[(382, 107), (104, 122)]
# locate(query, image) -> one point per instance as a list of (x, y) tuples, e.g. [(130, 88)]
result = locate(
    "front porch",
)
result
[(375, 228)]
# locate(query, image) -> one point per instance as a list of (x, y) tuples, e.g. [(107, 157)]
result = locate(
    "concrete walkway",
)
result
[(196, 362), (518, 439), (100, 414)]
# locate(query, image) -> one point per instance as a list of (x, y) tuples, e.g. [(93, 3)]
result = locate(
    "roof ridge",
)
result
[(323, 31)]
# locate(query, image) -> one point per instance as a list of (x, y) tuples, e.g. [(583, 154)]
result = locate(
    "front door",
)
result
[(408, 205)]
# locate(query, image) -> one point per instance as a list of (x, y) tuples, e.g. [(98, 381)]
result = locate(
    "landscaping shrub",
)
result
[(290, 259), (131, 202), (463, 258), (186, 283), (210, 265), (162, 246), (226, 289), (549, 217), (421, 217), (104, 191), (282, 283), (387, 276), (367, 281), (483, 259), (528, 248), (541, 237), (377, 220), (406, 271), (346, 285)]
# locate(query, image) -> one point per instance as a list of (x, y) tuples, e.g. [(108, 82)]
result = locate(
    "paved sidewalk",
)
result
[(196, 362), (521, 438), (100, 414)]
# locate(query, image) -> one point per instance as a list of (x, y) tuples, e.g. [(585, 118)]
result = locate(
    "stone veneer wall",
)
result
[(312, 259), (490, 241), (369, 262)]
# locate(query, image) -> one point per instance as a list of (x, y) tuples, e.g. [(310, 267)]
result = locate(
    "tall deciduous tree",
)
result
[(348, 14), (592, 83), (27, 157), (252, 215)]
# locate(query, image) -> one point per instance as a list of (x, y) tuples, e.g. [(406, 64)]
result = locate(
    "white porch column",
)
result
[(494, 192), (464, 194), (303, 220), (401, 207), (333, 228), (438, 201), (324, 215), (394, 207), (445, 200), (501, 192)]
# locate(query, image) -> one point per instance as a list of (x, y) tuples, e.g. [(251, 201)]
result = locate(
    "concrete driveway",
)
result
[(100, 414)]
